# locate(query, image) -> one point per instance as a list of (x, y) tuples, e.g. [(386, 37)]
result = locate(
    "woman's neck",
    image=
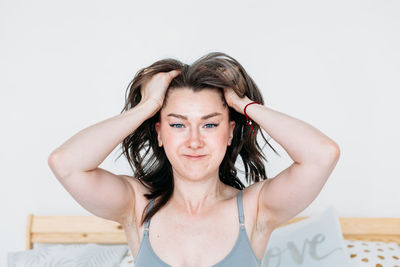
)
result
[(196, 197)]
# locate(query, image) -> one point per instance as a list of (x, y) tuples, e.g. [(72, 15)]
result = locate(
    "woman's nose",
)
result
[(195, 139)]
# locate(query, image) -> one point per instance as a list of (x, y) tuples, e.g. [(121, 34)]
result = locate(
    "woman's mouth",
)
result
[(194, 157)]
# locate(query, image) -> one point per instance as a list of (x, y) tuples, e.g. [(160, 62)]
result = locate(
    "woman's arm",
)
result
[(303, 142), (87, 149), (314, 154), (75, 163)]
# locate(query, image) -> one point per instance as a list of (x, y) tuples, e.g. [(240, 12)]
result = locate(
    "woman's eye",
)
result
[(212, 124), (172, 125), (208, 125)]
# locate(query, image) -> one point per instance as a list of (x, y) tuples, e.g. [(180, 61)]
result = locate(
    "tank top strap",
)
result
[(240, 208), (147, 223)]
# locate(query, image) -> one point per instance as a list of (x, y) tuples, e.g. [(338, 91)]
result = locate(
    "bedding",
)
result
[(76, 255), (361, 254), (313, 241)]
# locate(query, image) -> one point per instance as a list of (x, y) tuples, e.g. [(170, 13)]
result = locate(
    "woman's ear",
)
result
[(157, 127), (231, 128)]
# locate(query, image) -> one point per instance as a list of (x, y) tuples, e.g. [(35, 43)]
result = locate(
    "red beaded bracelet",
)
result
[(248, 120)]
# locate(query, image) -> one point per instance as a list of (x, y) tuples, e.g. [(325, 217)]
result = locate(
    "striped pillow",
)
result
[(87, 255)]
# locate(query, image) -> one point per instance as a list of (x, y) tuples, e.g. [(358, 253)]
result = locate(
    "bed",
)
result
[(91, 229)]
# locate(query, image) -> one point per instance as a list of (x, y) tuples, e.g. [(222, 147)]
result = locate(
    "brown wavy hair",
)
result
[(215, 70)]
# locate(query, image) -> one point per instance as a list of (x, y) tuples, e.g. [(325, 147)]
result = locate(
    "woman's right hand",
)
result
[(154, 88)]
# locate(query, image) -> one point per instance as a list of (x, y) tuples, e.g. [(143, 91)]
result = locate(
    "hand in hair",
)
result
[(155, 87), (233, 100)]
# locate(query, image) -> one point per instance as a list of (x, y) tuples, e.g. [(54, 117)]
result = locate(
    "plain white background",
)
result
[(65, 65)]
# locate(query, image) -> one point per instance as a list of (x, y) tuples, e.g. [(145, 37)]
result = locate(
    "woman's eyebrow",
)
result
[(185, 118)]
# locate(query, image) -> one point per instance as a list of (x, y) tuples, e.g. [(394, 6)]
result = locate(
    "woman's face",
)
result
[(194, 124)]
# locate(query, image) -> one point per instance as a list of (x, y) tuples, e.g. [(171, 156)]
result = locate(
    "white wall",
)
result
[(66, 65)]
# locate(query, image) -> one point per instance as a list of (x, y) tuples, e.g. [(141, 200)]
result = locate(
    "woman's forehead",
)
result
[(195, 103), (178, 93)]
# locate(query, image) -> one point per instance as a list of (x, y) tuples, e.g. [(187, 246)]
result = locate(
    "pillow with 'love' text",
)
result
[(312, 242)]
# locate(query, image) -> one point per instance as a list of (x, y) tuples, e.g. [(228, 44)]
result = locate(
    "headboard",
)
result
[(72, 229), (92, 229)]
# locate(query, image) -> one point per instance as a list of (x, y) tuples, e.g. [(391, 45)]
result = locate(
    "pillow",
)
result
[(128, 260), (369, 253), (313, 242), (87, 255)]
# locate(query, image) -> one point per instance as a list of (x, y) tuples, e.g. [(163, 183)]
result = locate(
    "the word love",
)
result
[(274, 255)]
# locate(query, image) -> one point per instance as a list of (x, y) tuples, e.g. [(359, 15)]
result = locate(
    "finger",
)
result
[(174, 73)]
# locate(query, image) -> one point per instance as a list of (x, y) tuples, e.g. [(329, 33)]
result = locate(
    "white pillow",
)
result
[(370, 253), (87, 255), (313, 242)]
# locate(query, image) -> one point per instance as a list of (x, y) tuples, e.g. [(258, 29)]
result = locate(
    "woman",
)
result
[(191, 122)]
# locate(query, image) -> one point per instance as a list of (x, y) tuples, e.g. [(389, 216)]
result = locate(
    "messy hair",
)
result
[(215, 70)]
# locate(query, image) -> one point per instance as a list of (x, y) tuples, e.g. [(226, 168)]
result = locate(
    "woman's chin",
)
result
[(193, 175)]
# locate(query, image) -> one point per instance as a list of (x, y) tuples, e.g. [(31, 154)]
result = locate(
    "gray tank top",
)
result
[(242, 253)]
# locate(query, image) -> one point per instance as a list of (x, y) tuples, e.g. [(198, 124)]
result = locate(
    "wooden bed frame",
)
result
[(92, 229)]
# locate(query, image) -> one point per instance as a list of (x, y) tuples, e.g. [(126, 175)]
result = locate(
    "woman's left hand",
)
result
[(235, 101)]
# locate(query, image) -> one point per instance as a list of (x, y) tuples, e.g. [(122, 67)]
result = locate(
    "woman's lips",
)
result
[(194, 157)]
